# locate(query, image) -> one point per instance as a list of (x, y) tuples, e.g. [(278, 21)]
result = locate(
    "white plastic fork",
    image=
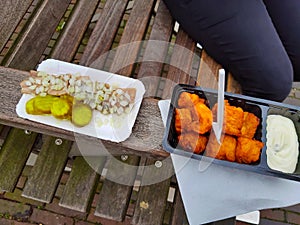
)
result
[(218, 125)]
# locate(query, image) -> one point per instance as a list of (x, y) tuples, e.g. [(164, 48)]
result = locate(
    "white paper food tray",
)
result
[(107, 127)]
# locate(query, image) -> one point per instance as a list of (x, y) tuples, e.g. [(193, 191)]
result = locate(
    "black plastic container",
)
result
[(259, 107)]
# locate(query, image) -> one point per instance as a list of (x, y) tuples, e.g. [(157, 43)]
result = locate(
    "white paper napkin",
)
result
[(221, 192)]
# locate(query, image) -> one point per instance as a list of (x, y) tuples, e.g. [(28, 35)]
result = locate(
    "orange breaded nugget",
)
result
[(204, 118), (225, 151), (250, 124), (192, 142), (183, 119), (248, 150), (187, 100), (233, 118)]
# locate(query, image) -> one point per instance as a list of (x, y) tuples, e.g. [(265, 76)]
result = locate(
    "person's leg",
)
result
[(286, 19), (240, 35)]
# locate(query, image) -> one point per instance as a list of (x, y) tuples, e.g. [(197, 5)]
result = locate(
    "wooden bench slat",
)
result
[(179, 215), (152, 198), (208, 75), (10, 90), (47, 170), (155, 52), (10, 16), (182, 58), (134, 31), (74, 30), (114, 197), (104, 32), (208, 72), (35, 39), (81, 184), (13, 156)]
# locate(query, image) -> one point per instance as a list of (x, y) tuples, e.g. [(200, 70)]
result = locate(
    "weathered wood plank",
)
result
[(134, 31), (103, 33), (208, 72), (81, 183), (179, 215), (10, 16), (13, 156), (156, 50), (181, 63), (46, 172), (152, 197), (74, 30), (36, 37), (208, 75), (116, 189), (146, 136)]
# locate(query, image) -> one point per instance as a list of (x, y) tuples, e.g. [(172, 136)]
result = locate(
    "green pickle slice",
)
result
[(30, 109), (81, 114), (60, 108), (44, 104), (40, 105)]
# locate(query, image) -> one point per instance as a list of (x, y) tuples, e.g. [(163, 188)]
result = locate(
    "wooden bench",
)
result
[(80, 40)]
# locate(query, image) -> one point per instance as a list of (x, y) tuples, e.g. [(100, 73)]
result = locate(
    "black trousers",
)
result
[(258, 41)]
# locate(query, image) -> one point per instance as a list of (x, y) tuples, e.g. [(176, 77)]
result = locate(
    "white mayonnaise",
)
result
[(282, 144)]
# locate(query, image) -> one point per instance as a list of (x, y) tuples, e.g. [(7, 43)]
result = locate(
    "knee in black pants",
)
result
[(272, 83)]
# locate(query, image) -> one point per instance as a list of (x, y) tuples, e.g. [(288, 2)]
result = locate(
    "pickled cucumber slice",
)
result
[(30, 109), (68, 98), (60, 108), (81, 114), (43, 105), (40, 105)]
